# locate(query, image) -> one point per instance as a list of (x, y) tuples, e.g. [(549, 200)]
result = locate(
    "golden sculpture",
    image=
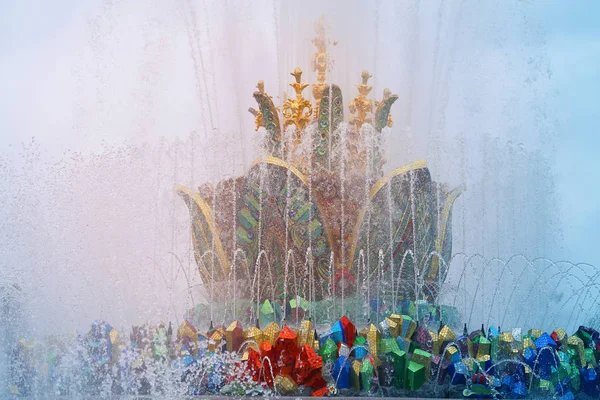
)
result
[(297, 111), (308, 185), (361, 105)]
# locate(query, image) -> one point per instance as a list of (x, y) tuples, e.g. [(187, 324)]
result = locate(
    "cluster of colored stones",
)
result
[(400, 353), (397, 356)]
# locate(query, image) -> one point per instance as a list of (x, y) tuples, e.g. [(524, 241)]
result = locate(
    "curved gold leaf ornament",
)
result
[(205, 235), (406, 230)]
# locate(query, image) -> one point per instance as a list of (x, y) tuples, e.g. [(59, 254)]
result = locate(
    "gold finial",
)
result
[(298, 75), (363, 88), (260, 86), (321, 60), (297, 111), (360, 104)]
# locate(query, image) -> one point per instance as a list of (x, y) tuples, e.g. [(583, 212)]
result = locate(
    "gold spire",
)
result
[(361, 105), (297, 111), (320, 61)]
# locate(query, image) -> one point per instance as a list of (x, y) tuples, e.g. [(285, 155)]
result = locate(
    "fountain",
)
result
[(343, 276), (319, 198)]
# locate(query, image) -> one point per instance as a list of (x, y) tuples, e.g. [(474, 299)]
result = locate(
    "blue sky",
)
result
[(574, 52)]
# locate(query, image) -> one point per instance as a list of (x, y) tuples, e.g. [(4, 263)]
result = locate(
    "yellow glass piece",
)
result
[(436, 345), (483, 350), (451, 351), (505, 341), (535, 333), (377, 361), (285, 385), (576, 343), (470, 348), (186, 331), (232, 326), (527, 342), (215, 340), (506, 337), (229, 334), (306, 333), (560, 334), (483, 358), (446, 334), (114, 336), (412, 327), (392, 327), (355, 375), (271, 332), (469, 362), (398, 320), (373, 337)]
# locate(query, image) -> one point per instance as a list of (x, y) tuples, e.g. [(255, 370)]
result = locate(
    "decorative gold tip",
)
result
[(298, 75), (365, 77), (297, 111), (360, 104), (321, 58), (260, 86)]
